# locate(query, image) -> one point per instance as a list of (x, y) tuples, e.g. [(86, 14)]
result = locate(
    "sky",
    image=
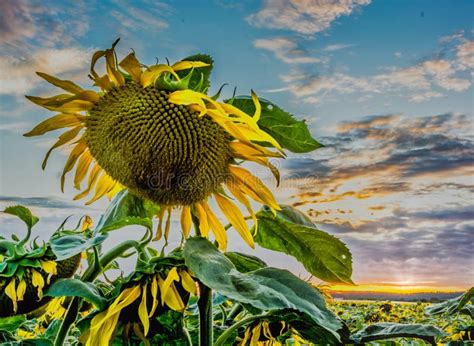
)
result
[(386, 86)]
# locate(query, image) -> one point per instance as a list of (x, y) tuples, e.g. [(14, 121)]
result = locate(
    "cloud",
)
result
[(420, 82), (40, 202), (306, 17), (25, 21), (17, 74), (286, 50), (336, 47)]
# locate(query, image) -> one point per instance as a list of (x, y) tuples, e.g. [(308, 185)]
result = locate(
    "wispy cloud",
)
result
[(420, 82), (304, 17), (286, 50), (337, 46)]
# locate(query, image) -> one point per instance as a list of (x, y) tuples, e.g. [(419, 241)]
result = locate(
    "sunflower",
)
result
[(137, 306), (266, 333), (152, 131)]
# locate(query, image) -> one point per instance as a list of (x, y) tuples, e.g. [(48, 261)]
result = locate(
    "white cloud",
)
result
[(285, 50), (303, 16), (426, 96), (135, 19), (17, 74), (337, 46)]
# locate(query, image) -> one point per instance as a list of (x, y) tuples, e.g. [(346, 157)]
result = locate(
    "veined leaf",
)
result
[(66, 246), (127, 209), (23, 213), (77, 288), (293, 233), (245, 263), (265, 289), (382, 331), (290, 133)]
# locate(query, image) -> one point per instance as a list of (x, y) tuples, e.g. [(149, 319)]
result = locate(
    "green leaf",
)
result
[(77, 288), (451, 306), (385, 330), (199, 73), (24, 214), (245, 263), (291, 232), (127, 209), (66, 246), (11, 324), (468, 310), (292, 134), (264, 289)]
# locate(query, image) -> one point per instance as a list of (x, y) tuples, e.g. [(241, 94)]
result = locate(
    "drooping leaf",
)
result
[(292, 134), (66, 246), (77, 288), (451, 306), (201, 73), (265, 289), (245, 263), (127, 209), (291, 232), (468, 310), (11, 324), (385, 330), (23, 213)]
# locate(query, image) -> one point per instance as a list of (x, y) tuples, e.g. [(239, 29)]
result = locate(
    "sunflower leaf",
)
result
[(451, 306), (22, 213), (290, 133), (199, 80), (245, 263), (67, 246), (293, 233), (12, 323), (77, 288), (385, 330), (266, 289)]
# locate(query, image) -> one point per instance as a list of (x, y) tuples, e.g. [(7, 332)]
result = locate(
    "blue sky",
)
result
[(386, 85)]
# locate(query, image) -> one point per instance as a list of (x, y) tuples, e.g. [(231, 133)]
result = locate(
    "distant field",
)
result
[(358, 314)]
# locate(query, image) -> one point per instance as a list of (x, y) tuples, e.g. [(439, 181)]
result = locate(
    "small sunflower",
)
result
[(149, 131), (266, 333), (137, 305)]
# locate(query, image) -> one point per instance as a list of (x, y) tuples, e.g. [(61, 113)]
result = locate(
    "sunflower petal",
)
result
[(202, 216), (187, 282), (93, 175), (111, 66), (60, 83), (10, 291), (104, 185), (143, 312), (185, 65), (242, 199), (186, 221), (150, 75), (216, 227), (258, 107), (82, 167), (76, 152), (165, 284), (56, 122), (154, 294), (63, 139), (131, 65), (235, 218), (20, 290)]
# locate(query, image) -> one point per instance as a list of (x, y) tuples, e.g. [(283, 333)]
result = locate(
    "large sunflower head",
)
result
[(155, 131)]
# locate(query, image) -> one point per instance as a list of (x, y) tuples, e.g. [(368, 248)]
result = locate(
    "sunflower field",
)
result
[(151, 140)]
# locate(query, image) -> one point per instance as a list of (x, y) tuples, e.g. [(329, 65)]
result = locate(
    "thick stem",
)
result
[(205, 316), (236, 309), (89, 275), (224, 336)]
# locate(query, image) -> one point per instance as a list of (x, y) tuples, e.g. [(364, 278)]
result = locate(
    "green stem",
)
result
[(236, 309), (224, 336), (89, 275), (205, 316)]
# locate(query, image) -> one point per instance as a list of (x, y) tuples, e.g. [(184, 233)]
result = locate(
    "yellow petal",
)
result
[(104, 185), (38, 282), (150, 75), (116, 189), (255, 334), (111, 66), (66, 137), (235, 217), (93, 175), (242, 199), (103, 82), (261, 192), (258, 107), (87, 223), (185, 65), (186, 97), (131, 65), (202, 216), (168, 224), (76, 152), (186, 221), (216, 227), (20, 290), (165, 285), (63, 84), (143, 312), (82, 167), (10, 291), (56, 122), (154, 294), (159, 227), (187, 281)]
